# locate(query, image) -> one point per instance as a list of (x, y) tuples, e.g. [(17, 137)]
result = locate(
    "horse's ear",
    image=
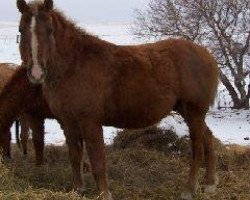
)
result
[(48, 4), (22, 6)]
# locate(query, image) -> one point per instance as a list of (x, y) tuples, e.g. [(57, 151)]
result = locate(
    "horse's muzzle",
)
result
[(37, 73)]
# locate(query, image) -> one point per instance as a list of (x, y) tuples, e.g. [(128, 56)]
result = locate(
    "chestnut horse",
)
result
[(89, 82)]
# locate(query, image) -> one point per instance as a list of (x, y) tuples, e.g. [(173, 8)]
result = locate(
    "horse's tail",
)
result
[(215, 75), (17, 123)]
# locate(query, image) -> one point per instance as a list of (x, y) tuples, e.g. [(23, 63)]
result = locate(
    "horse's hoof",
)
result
[(109, 196), (40, 164), (217, 180), (105, 196), (25, 155), (210, 188), (81, 191), (186, 196), (7, 160)]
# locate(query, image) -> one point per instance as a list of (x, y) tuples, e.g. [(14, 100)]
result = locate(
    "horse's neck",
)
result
[(69, 45), (66, 37), (72, 43), (11, 98), (15, 95), (73, 48)]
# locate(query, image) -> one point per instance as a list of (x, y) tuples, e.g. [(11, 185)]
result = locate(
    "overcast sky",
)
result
[(86, 11)]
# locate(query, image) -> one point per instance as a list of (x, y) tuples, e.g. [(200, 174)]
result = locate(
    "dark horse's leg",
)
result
[(6, 145), (93, 136), (24, 135), (17, 123), (37, 127), (75, 144)]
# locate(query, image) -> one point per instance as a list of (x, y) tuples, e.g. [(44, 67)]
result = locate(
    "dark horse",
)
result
[(7, 71), (13, 103), (89, 82), (19, 97)]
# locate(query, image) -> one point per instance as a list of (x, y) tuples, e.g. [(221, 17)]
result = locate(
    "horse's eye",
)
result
[(20, 30), (50, 30)]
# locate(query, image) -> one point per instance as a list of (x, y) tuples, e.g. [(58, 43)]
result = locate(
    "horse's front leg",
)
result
[(75, 145), (37, 127), (93, 136)]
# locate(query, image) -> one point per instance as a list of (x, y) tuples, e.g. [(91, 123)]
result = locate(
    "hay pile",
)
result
[(153, 138), (142, 166)]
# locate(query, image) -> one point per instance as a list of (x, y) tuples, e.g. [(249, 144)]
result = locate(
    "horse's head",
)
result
[(37, 43)]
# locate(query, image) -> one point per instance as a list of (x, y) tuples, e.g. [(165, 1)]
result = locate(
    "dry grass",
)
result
[(151, 169)]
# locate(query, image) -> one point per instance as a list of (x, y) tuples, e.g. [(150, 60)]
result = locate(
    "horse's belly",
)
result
[(131, 123), (139, 116), (139, 104)]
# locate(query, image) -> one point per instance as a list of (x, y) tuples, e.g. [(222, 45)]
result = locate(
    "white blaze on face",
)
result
[(36, 68)]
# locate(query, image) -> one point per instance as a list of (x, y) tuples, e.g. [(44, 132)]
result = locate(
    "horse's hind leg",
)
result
[(195, 119), (211, 177)]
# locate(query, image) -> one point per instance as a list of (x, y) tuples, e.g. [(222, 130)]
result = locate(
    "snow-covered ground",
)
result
[(230, 126)]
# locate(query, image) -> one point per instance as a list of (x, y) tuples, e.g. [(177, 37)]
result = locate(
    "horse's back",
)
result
[(6, 72), (180, 66)]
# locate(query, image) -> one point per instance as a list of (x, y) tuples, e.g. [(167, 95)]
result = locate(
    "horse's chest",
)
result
[(64, 100), (53, 100)]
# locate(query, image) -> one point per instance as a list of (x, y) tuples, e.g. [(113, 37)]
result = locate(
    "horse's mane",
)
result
[(77, 39)]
